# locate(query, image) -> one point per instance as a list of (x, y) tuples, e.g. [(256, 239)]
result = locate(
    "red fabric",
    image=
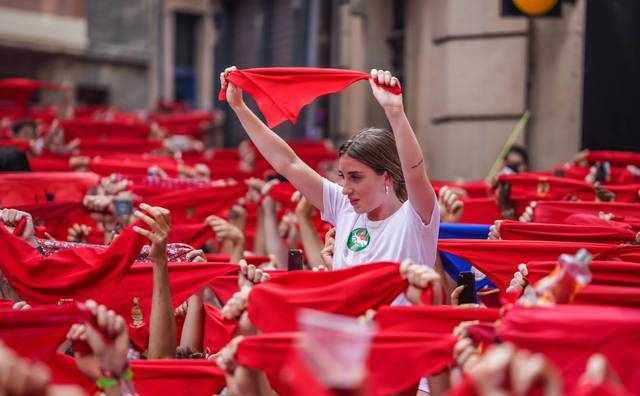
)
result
[(93, 146), (185, 279), (20, 144), (184, 123), (195, 235), (480, 211), (177, 377), (6, 304), (36, 187), (473, 188), (218, 331), (273, 305), (515, 230), (77, 274), (441, 319), (593, 220), (396, 360), (568, 335), (149, 186), (19, 90), (49, 163), (196, 205), (615, 158), (615, 296), (281, 92), (500, 259), (224, 258), (558, 211), (282, 193), (183, 377), (85, 127), (36, 333), (529, 186), (618, 176), (57, 217), (105, 166), (608, 273)]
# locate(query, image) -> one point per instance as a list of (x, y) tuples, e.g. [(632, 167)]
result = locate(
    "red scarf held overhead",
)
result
[(473, 188), (37, 187), (613, 296), (196, 205), (499, 259), (389, 354), (133, 301), (615, 158), (559, 211), (184, 377), (196, 234), (594, 220), (605, 273), (516, 230), (273, 305), (77, 274), (569, 335), (36, 333), (441, 319), (218, 331), (480, 211), (58, 217), (281, 92)]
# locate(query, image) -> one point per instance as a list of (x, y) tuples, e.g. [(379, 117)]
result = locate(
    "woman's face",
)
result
[(362, 185)]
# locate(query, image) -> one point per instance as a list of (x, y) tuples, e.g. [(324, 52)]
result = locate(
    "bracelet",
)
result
[(104, 382)]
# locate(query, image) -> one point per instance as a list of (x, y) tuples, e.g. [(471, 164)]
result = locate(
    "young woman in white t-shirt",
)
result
[(384, 207)]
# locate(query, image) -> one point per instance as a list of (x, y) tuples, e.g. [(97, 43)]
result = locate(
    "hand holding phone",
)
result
[(468, 294)]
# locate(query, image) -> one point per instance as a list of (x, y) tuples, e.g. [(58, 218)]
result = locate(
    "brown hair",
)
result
[(377, 149)]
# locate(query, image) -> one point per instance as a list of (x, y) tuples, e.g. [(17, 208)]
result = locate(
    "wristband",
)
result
[(105, 382)]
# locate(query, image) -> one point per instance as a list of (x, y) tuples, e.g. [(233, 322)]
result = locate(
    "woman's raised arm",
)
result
[(274, 149), (421, 195)]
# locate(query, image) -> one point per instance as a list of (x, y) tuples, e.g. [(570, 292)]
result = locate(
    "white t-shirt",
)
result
[(400, 236)]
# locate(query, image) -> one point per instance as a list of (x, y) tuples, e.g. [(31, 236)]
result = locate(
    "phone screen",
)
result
[(123, 207), (468, 295), (295, 262)]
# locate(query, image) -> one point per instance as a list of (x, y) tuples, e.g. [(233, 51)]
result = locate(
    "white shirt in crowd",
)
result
[(359, 240)]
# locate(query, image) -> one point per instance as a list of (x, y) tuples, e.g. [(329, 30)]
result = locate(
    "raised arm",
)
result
[(421, 195), (274, 149), (162, 328)]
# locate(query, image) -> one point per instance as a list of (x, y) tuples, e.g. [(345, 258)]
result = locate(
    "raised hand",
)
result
[(234, 94), (381, 79), (13, 218), (160, 223), (109, 342)]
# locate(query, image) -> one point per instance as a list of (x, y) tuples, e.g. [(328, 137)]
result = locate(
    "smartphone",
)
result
[(123, 207), (468, 295), (295, 262)]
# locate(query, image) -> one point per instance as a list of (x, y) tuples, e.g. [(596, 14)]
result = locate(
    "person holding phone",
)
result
[(384, 207)]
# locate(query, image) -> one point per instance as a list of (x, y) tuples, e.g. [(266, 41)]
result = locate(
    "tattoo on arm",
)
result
[(418, 163)]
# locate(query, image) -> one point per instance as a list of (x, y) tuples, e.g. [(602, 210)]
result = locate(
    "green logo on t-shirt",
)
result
[(358, 239)]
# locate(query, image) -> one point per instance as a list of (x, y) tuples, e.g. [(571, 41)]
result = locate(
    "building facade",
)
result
[(468, 73)]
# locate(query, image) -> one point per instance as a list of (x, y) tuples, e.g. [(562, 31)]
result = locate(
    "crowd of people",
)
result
[(136, 258)]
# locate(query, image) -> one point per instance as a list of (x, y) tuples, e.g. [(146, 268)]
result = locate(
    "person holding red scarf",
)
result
[(384, 207)]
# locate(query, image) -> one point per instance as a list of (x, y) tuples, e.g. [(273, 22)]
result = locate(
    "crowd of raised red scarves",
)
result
[(244, 316)]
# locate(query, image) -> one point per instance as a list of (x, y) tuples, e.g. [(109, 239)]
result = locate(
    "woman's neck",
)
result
[(388, 207)]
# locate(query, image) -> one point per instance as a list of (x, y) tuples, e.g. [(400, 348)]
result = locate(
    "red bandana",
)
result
[(273, 305), (281, 92)]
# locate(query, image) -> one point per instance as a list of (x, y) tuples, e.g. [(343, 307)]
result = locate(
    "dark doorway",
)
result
[(185, 57), (611, 98)]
